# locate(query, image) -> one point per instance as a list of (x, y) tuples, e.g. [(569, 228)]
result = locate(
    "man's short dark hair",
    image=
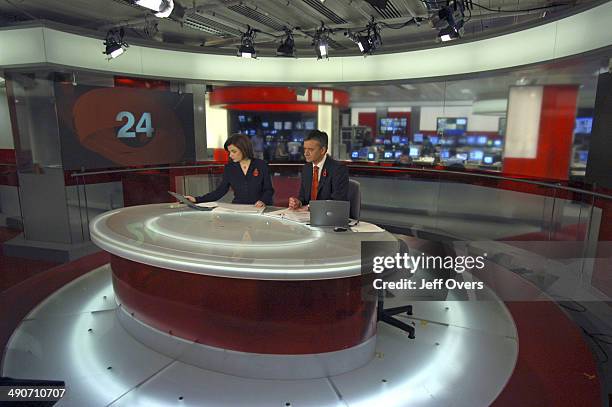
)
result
[(242, 143), (318, 135)]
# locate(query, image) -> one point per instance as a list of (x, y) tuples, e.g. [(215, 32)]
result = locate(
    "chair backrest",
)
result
[(354, 196)]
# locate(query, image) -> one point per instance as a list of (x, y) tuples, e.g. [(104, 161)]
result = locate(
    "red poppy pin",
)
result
[(325, 173), (256, 173)]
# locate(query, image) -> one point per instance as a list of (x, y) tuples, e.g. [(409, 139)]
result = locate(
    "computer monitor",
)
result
[(583, 125), (451, 125), (363, 152), (444, 154), (476, 155), (418, 138), (583, 156), (309, 125), (403, 140), (414, 152), (298, 125), (434, 140), (462, 156), (388, 154), (470, 140), (278, 125), (355, 154), (487, 159), (481, 140), (241, 118), (395, 139), (288, 126), (265, 125), (387, 141), (497, 143), (398, 154), (378, 140), (371, 156)]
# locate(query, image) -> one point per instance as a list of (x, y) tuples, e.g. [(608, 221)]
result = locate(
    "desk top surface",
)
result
[(234, 245)]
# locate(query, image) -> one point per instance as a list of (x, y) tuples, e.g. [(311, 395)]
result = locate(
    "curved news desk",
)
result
[(262, 296)]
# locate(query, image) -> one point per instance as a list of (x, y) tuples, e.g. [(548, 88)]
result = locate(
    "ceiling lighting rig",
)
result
[(247, 44), (368, 39), (320, 41), (450, 19), (287, 45), (161, 8), (114, 43)]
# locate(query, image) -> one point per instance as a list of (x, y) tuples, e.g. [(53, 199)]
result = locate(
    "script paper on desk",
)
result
[(208, 204), (237, 208), (296, 216), (365, 227)]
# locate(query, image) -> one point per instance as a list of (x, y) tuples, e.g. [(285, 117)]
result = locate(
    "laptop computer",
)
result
[(329, 213), (187, 202)]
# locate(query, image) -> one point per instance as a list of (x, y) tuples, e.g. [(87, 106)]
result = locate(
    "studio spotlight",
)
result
[(162, 8), (114, 43), (247, 44), (367, 43), (320, 41), (448, 34), (287, 45), (449, 21)]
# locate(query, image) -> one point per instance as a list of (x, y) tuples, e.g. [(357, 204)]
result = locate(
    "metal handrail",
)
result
[(373, 167)]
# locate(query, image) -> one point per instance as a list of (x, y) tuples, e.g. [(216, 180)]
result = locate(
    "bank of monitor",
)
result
[(476, 155), (451, 125)]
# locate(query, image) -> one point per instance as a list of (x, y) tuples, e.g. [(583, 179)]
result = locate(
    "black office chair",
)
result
[(354, 197), (388, 315)]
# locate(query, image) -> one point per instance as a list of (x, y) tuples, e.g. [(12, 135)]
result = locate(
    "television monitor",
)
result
[(265, 125), (387, 141), (434, 140), (583, 155), (583, 125), (252, 132), (497, 143), (388, 154), (298, 125), (278, 125), (241, 118), (471, 140), (309, 125), (414, 152), (418, 138), (502, 126), (487, 159), (370, 156), (462, 156), (355, 154), (451, 125), (462, 140), (403, 140), (395, 139), (481, 140), (476, 155), (398, 154), (378, 140), (288, 126), (444, 154), (363, 152), (393, 125)]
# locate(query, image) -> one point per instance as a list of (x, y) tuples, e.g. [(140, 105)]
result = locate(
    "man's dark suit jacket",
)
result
[(333, 182)]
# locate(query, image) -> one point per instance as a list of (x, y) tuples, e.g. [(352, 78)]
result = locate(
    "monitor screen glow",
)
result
[(414, 152), (476, 155), (418, 138), (488, 159)]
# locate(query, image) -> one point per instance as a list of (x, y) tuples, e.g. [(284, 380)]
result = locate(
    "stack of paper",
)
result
[(296, 216), (236, 208), (365, 227)]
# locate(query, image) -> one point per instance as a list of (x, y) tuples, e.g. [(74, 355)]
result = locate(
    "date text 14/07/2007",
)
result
[(437, 284)]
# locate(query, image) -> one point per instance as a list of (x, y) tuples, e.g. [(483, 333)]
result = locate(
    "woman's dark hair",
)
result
[(242, 143)]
